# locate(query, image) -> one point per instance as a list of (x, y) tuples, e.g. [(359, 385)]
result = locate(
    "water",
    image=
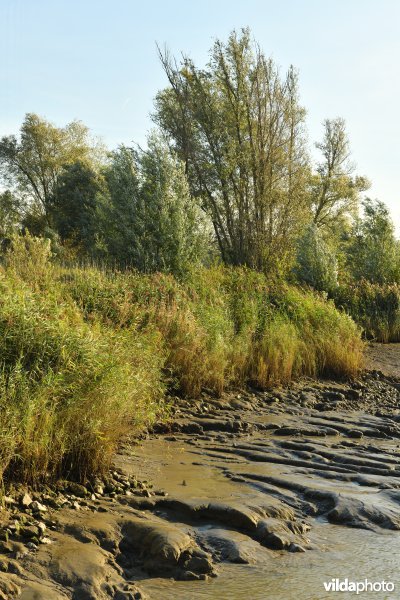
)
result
[(336, 551)]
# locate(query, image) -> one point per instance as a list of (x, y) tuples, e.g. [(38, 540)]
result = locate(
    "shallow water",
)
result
[(291, 576), (186, 471)]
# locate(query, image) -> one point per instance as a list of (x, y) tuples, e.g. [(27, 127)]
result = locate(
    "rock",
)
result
[(31, 546), (77, 489), (30, 531), (26, 500), (37, 507), (296, 548), (355, 433), (331, 395)]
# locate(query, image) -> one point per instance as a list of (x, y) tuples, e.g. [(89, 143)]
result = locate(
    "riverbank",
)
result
[(89, 355), (245, 487)]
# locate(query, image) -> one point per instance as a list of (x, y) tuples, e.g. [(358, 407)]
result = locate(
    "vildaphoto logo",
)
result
[(345, 585)]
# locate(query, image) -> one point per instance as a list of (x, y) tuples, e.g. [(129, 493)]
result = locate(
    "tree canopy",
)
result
[(239, 128), (227, 175), (335, 191), (32, 162)]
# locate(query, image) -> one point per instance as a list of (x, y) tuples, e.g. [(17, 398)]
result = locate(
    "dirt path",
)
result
[(260, 494)]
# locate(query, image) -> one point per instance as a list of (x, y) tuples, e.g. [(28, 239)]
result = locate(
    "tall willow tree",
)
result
[(239, 128)]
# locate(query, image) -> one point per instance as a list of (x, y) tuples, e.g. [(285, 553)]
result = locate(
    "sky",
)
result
[(96, 61)]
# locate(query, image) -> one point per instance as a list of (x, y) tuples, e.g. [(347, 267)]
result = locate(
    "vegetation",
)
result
[(213, 257), (239, 128), (87, 354), (375, 307)]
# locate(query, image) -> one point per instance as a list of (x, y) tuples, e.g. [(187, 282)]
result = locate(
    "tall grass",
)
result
[(87, 354), (69, 389), (375, 307)]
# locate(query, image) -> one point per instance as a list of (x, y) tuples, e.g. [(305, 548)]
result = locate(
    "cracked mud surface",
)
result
[(256, 494)]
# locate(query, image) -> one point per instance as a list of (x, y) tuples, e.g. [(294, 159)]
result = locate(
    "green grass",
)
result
[(375, 307), (86, 354)]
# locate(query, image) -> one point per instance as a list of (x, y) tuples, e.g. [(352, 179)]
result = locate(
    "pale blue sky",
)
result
[(96, 60)]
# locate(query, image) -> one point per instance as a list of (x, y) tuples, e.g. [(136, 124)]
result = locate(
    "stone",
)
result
[(355, 433), (42, 527), (26, 500), (296, 548), (38, 507), (31, 546), (77, 489), (30, 531)]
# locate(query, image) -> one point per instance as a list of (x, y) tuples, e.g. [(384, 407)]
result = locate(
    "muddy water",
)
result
[(188, 470), (286, 577)]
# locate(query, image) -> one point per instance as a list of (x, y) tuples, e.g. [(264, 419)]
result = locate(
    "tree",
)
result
[(122, 206), (74, 206), (335, 192), (10, 213), (33, 162), (173, 229), (316, 263), (151, 221), (239, 128), (373, 252)]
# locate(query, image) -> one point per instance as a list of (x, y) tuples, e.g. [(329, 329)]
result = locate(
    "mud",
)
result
[(266, 494)]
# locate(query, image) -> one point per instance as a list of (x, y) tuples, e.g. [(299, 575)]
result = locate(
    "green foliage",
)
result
[(86, 353), (221, 326), (239, 128), (334, 191), (121, 224), (152, 222), (316, 264), (375, 307), (10, 213), (33, 162), (68, 389), (74, 206), (373, 251)]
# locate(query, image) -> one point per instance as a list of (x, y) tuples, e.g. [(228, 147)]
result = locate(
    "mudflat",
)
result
[(267, 494)]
